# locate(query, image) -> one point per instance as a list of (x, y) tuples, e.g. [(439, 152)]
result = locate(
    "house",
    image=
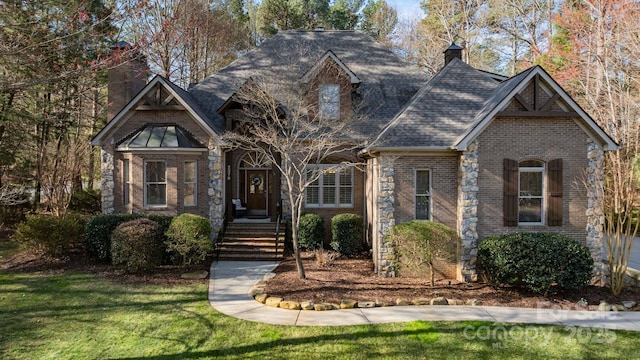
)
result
[(480, 152)]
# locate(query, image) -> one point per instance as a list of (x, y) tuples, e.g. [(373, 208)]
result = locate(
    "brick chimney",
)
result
[(127, 75), (454, 51)]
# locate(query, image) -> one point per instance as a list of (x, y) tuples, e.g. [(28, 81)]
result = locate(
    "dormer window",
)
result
[(329, 101)]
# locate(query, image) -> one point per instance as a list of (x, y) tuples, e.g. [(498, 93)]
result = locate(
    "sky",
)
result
[(407, 9)]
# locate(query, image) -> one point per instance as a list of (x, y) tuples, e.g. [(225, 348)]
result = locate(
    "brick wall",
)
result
[(175, 177), (532, 138), (174, 165), (444, 187)]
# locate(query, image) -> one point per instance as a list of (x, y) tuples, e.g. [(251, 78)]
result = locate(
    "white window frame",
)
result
[(542, 197), (126, 182), (329, 101), (194, 182), (428, 195), (337, 186), (146, 183)]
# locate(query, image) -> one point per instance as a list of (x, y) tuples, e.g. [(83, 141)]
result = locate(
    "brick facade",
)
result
[(540, 139)]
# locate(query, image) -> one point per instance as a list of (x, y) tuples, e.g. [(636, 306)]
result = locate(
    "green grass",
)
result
[(82, 316)]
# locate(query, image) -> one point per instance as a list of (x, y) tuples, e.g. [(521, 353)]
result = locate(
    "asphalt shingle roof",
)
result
[(388, 82), (444, 109)]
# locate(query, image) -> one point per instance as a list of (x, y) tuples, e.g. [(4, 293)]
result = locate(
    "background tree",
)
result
[(379, 20), (593, 54), (50, 53), (188, 40)]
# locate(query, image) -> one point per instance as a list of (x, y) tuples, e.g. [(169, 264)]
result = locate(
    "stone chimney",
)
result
[(128, 72), (454, 51)]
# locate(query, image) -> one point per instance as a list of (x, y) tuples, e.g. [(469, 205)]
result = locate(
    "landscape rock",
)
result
[(255, 291), (421, 301), (348, 304), (273, 301), (380, 303), (439, 301), (474, 302), (402, 302), (629, 304), (366, 304), (604, 306), (196, 275), (261, 298), (290, 305), (322, 307), (456, 302), (307, 305), (618, 307)]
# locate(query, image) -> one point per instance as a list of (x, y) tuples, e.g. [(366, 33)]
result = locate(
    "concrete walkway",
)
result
[(231, 280)]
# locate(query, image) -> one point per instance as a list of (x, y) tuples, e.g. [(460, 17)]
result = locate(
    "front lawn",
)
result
[(72, 315)]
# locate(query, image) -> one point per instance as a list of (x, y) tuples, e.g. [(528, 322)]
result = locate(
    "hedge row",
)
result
[(99, 228)]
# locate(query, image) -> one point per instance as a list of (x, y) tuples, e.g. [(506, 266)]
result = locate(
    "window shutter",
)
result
[(510, 192), (554, 195)]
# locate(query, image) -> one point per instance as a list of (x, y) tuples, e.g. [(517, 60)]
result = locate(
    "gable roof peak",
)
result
[(329, 55)]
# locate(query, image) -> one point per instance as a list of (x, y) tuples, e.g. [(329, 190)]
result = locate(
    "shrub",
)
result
[(346, 234), (99, 228), (85, 201), (189, 236), (55, 236), (137, 245), (420, 243), (311, 232), (535, 261)]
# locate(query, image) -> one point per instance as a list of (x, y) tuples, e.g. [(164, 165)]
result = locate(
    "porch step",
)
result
[(251, 241)]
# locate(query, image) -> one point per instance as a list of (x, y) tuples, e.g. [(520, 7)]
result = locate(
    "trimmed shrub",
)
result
[(535, 261), (137, 245), (99, 228), (419, 244), (85, 201), (189, 236), (51, 235), (311, 232), (346, 234)]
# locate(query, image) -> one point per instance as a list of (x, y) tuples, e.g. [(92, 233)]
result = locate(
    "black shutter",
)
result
[(510, 192), (554, 195)]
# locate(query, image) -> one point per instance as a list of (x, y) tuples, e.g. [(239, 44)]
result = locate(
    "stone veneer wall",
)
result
[(594, 212), (468, 211), (386, 218), (107, 183), (216, 189)]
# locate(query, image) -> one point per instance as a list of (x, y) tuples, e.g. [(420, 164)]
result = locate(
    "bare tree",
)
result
[(283, 121), (601, 67)]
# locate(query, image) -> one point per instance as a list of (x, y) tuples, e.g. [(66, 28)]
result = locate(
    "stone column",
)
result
[(468, 211), (386, 218), (216, 188), (595, 208), (107, 184)]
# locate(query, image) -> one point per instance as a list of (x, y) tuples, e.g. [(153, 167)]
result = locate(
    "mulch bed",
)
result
[(353, 279)]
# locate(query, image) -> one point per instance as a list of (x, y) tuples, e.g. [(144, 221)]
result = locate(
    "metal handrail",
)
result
[(220, 238), (278, 220)]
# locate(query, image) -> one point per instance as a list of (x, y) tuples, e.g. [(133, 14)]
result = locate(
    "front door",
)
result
[(257, 190)]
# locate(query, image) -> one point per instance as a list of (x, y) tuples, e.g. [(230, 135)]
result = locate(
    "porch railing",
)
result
[(278, 221)]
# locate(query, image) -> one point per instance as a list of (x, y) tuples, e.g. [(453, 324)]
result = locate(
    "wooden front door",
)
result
[(257, 192)]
